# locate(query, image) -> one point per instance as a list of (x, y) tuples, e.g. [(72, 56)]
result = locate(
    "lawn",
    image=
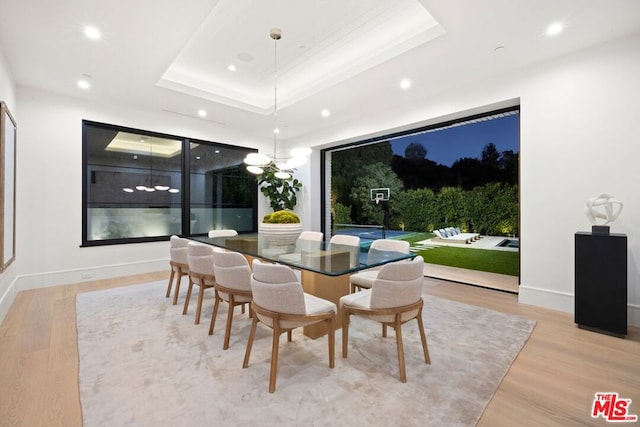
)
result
[(501, 262)]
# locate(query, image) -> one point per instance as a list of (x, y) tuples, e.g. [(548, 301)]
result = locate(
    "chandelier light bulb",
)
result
[(257, 170), (141, 187), (256, 159), (161, 187), (282, 175)]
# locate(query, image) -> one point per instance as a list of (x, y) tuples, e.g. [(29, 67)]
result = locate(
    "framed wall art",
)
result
[(7, 187)]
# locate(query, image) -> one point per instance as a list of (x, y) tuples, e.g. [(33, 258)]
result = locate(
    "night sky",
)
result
[(448, 145)]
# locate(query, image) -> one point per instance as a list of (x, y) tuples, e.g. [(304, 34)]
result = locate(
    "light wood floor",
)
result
[(552, 382)]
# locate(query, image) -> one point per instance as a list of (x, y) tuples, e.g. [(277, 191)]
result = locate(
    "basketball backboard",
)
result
[(380, 195)]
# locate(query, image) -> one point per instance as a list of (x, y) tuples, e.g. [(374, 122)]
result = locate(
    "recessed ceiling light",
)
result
[(499, 49), (92, 32), (555, 29), (217, 151), (231, 67), (202, 113), (405, 84), (83, 84), (325, 113)]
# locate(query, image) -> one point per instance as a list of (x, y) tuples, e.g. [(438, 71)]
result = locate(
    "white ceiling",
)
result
[(344, 55)]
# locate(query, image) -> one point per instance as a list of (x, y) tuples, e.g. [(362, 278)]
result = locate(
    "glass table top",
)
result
[(325, 258)]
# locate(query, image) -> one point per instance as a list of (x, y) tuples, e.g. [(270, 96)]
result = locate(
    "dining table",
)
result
[(324, 267)]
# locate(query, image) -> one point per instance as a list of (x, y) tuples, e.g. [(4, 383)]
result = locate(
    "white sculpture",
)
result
[(600, 210)]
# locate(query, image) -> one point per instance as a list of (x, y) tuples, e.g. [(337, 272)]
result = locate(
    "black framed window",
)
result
[(144, 186)]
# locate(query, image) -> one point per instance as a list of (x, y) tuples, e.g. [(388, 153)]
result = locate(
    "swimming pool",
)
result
[(509, 243)]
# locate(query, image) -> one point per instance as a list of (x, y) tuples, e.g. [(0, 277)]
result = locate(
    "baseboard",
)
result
[(565, 302), (7, 298), (57, 278), (633, 315)]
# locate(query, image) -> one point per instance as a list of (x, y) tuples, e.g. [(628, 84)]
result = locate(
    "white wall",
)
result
[(8, 95), (50, 189), (579, 138), (580, 121)]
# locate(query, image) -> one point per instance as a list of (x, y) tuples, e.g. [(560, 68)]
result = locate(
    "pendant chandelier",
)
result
[(284, 166), (151, 188)]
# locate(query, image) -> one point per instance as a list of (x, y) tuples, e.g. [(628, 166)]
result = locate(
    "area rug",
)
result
[(142, 363)]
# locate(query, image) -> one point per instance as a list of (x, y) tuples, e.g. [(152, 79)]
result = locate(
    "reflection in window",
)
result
[(135, 191), (222, 191)]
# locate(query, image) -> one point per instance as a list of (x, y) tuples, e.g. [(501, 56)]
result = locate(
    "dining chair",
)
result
[(394, 299), (364, 279), (223, 233), (352, 242), (307, 241), (178, 263), (232, 285), (201, 273), (280, 303)]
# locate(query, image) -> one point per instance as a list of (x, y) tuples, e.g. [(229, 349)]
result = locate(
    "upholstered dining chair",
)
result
[(346, 240), (280, 303), (308, 240), (232, 285), (364, 279), (178, 263), (201, 273), (394, 299), (223, 233)]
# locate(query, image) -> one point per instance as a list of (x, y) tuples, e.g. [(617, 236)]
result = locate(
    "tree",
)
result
[(416, 210), (375, 175), (491, 156), (346, 165), (509, 167), (415, 151)]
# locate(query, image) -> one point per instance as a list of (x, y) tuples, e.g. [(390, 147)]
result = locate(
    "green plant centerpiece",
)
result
[(280, 192), (281, 217), (281, 227)]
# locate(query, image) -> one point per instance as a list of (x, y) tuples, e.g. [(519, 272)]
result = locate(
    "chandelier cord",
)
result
[(275, 35)]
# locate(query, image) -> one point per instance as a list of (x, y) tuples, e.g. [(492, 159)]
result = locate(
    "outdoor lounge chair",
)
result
[(444, 237), (454, 232)]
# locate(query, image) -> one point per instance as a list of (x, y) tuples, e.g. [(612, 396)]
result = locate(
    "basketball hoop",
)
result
[(379, 195)]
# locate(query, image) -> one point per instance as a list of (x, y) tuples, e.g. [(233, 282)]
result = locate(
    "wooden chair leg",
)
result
[(252, 335), (398, 328), (173, 273), (215, 312), (345, 331), (331, 336), (187, 298), (200, 298), (423, 337), (227, 331), (177, 290), (274, 357)]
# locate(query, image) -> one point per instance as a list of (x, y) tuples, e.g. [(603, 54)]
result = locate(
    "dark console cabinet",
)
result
[(601, 282)]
